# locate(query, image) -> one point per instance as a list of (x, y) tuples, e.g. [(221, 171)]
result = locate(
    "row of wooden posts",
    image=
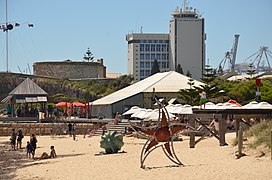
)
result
[(240, 123)]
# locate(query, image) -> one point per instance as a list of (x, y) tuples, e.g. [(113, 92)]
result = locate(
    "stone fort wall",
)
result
[(44, 128), (70, 69)]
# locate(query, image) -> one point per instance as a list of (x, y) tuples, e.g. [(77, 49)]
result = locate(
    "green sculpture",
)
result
[(111, 142)]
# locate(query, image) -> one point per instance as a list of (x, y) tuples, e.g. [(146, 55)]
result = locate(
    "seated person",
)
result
[(215, 126), (52, 154)]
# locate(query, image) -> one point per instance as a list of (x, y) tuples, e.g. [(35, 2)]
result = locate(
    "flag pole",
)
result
[(7, 34)]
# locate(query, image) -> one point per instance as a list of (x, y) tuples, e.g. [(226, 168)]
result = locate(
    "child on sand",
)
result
[(29, 150)]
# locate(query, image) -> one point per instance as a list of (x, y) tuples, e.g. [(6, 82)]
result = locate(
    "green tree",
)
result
[(251, 71), (188, 74), (179, 69), (155, 68), (189, 96), (208, 74)]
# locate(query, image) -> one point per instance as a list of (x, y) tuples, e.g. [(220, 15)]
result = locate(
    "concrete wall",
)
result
[(45, 129), (70, 69)]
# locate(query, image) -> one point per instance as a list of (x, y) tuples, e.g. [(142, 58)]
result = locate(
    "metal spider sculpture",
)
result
[(160, 135)]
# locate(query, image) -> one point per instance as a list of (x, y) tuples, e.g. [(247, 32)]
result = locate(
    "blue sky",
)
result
[(64, 29)]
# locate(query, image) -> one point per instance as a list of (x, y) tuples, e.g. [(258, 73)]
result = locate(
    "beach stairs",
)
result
[(120, 127)]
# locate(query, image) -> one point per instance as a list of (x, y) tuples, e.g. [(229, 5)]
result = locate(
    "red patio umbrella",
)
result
[(78, 104), (63, 104)]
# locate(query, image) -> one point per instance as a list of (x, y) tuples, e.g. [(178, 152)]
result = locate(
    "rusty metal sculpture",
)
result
[(160, 135)]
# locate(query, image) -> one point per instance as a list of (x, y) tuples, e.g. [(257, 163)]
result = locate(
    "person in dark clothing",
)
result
[(13, 139), (70, 129), (19, 139), (29, 150), (33, 143), (74, 131)]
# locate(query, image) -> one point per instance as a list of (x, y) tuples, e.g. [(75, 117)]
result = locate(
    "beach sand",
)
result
[(81, 159)]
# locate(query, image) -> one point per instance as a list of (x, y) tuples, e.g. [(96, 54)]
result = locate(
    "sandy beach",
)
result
[(82, 159)]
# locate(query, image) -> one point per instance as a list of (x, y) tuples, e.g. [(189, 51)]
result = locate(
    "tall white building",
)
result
[(184, 45), (143, 49), (187, 41)]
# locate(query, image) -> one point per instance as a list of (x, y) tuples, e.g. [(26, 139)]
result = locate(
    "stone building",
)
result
[(70, 69)]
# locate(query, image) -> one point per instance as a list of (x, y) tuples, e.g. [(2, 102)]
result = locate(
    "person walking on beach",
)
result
[(33, 143), (70, 129), (29, 149), (19, 139), (74, 131), (13, 139)]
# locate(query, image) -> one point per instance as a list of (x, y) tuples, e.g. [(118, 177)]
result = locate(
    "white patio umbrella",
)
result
[(186, 109), (210, 105), (177, 108), (140, 113), (170, 108), (251, 105), (155, 115), (264, 105), (256, 105), (132, 110)]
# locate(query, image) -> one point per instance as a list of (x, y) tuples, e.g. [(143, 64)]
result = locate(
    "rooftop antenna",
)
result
[(29, 68), (184, 5)]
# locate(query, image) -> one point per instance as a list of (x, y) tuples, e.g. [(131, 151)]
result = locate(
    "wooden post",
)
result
[(222, 132), (271, 143), (192, 134), (237, 126), (240, 141)]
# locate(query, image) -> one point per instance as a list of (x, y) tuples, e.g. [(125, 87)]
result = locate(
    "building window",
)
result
[(167, 56), (153, 47), (158, 47), (158, 56), (167, 48), (147, 72), (153, 56), (147, 47), (142, 72), (141, 65), (141, 47), (163, 64), (163, 56), (141, 56), (147, 64), (147, 56), (164, 47)]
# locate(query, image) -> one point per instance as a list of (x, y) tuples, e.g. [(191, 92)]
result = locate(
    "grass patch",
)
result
[(261, 134)]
